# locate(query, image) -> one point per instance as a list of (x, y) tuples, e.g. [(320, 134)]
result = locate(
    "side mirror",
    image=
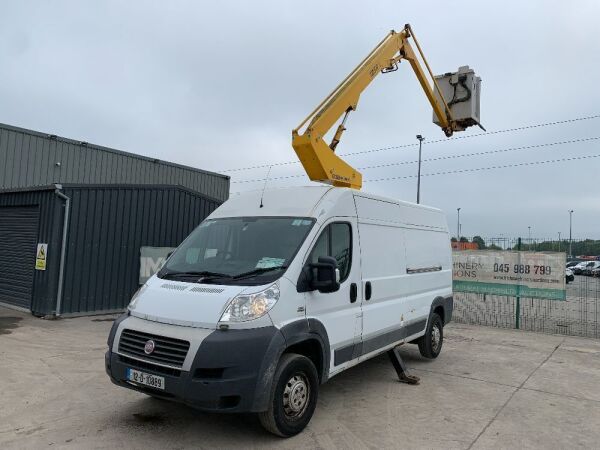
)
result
[(325, 275)]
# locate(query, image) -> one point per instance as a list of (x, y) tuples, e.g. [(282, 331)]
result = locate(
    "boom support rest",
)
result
[(401, 368)]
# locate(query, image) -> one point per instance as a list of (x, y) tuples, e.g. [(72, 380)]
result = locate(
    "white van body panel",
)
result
[(400, 251), (319, 202), (187, 304), (290, 310), (405, 256), (390, 239)]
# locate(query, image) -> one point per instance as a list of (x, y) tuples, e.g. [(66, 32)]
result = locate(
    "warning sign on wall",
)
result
[(40, 256)]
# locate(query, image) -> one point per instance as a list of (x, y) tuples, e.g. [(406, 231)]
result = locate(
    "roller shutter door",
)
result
[(18, 243)]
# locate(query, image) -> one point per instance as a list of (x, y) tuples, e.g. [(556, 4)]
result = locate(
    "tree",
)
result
[(463, 239), (479, 241), (453, 239)]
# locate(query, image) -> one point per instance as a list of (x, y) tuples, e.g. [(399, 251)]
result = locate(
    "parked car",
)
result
[(270, 297), (572, 264), (569, 276), (579, 268), (596, 272), (591, 266)]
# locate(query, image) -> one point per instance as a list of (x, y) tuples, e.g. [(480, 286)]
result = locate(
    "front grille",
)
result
[(166, 351)]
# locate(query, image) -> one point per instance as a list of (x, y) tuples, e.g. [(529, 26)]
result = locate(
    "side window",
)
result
[(341, 247), (336, 241), (321, 247)]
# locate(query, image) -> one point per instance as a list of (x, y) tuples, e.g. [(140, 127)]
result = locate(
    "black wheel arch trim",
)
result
[(306, 330), (447, 305), (266, 372), (291, 334)]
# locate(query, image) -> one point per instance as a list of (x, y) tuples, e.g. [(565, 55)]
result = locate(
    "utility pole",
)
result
[(529, 237), (571, 233), (559, 241), (458, 225), (421, 139)]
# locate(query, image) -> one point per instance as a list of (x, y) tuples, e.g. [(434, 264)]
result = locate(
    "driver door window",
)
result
[(335, 240)]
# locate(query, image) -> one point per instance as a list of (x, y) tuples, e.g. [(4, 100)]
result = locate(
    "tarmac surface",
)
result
[(490, 388)]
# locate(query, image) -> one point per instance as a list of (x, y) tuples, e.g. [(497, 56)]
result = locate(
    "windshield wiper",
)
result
[(256, 272), (198, 274)]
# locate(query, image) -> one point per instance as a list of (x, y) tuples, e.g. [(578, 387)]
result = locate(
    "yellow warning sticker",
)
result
[(40, 256)]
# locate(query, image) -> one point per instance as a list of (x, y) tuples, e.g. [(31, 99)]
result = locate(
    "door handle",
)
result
[(368, 290), (353, 292)]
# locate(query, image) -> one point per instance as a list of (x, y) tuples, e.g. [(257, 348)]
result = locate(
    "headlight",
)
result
[(246, 307)]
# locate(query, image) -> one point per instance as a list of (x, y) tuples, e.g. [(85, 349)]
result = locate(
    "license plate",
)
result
[(146, 379)]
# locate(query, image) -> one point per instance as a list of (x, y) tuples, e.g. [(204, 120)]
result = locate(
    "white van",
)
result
[(268, 298)]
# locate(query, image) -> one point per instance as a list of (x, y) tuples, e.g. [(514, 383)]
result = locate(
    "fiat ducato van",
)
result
[(276, 292)]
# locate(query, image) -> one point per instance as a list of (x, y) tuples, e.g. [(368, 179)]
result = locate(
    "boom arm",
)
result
[(318, 158)]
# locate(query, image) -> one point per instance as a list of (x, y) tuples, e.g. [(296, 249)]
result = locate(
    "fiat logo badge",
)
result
[(149, 347)]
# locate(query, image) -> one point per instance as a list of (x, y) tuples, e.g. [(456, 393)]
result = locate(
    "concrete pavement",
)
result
[(490, 388)]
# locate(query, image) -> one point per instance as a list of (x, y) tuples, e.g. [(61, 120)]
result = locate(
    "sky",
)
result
[(220, 86)]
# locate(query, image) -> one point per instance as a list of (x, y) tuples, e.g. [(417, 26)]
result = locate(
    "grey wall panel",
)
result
[(28, 158), (108, 226), (45, 283)]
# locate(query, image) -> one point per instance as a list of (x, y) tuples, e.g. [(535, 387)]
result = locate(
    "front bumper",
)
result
[(231, 371)]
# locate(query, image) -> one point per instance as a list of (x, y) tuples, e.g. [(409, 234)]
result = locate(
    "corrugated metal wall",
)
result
[(108, 225), (28, 158), (50, 220)]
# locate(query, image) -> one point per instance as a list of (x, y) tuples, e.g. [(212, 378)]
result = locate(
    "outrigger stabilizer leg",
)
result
[(401, 368)]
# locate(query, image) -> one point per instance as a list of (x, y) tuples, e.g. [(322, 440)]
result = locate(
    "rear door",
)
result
[(339, 312)]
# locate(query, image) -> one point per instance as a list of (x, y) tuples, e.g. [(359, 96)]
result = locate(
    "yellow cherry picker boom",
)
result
[(454, 98)]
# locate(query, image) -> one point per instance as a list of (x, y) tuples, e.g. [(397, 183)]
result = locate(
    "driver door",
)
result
[(340, 312)]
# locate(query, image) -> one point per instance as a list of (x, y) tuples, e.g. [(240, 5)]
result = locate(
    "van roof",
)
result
[(300, 201), (286, 201)]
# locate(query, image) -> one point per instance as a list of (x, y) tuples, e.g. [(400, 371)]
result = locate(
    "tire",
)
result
[(294, 394), (430, 345)]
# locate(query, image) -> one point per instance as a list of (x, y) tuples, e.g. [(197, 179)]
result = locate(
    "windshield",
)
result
[(238, 250)]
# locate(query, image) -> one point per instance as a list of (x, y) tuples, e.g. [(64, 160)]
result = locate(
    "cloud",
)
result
[(220, 85)]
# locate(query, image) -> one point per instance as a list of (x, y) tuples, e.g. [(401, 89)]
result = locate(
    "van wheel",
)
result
[(430, 345), (293, 398)]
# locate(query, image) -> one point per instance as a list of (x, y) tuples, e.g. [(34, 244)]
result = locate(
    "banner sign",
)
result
[(510, 273), (151, 260)]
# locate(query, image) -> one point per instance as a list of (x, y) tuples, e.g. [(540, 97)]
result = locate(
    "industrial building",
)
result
[(74, 217)]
